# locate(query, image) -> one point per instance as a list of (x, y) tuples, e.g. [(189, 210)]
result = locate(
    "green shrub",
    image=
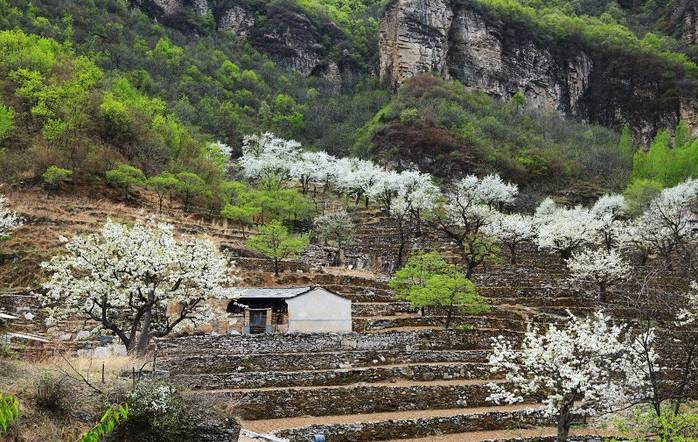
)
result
[(638, 195), (107, 423), (6, 122), (54, 395), (55, 175), (9, 411)]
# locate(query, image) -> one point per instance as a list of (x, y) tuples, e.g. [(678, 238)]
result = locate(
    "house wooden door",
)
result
[(258, 321)]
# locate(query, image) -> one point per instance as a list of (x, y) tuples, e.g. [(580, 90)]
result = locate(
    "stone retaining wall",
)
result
[(211, 381), (381, 308), (478, 322), (217, 363), (423, 427), (324, 342), (293, 402)]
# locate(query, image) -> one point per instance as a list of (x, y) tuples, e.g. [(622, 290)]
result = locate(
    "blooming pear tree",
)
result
[(512, 230), (385, 187), (125, 277), (355, 177), (420, 195), (268, 158), (584, 368), (462, 217), (8, 219), (496, 193), (666, 223), (564, 230), (336, 228), (609, 210), (601, 267), (312, 169)]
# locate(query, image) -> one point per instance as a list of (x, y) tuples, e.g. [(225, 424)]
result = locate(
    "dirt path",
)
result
[(269, 425), (397, 383)]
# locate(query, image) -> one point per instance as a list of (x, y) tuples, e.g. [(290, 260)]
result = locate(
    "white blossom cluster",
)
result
[(474, 204), (583, 368), (267, 157), (511, 228), (689, 314), (563, 230), (470, 201), (153, 398), (8, 219), (600, 266), (666, 223), (124, 274)]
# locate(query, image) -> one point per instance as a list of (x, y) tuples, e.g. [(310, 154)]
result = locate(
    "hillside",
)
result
[(375, 220)]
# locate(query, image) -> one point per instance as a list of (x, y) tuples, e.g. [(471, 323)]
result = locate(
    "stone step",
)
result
[(400, 425), (334, 377), (451, 339), (278, 402), (290, 362)]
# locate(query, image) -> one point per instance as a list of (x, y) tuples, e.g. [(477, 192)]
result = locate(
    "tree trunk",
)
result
[(141, 344), (512, 249), (276, 267), (563, 425), (469, 270), (603, 298), (160, 203), (449, 315), (401, 250), (565, 255)]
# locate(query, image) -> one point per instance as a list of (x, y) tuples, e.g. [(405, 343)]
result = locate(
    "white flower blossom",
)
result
[(8, 219), (689, 314), (512, 230), (564, 230), (267, 157), (583, 368), (601, 267), (125, 277)]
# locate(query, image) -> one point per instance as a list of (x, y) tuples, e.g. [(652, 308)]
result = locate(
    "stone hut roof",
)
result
[(275, 292)]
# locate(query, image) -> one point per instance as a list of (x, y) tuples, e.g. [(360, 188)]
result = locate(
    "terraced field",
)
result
[(399, 376)]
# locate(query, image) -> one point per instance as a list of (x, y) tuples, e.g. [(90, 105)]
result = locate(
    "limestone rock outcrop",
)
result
[(290, 38), (456, 40)]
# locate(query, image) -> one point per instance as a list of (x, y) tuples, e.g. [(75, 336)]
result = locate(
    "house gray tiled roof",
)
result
[(271, 292)]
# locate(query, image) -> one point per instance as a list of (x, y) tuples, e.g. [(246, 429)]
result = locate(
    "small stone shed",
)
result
[(292, 309)]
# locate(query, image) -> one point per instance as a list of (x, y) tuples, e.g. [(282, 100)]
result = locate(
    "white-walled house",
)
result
[(291, 309), (319, 310)]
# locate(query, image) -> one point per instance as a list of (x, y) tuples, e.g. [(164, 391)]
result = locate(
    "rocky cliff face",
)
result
[(457, 40), (286, 34)]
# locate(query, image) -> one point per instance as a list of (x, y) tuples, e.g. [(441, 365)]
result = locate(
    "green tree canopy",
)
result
[(243, 215), (189, 186), (125, 176), (7, 116), (428, 280), (274, 242), (163, 184)]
